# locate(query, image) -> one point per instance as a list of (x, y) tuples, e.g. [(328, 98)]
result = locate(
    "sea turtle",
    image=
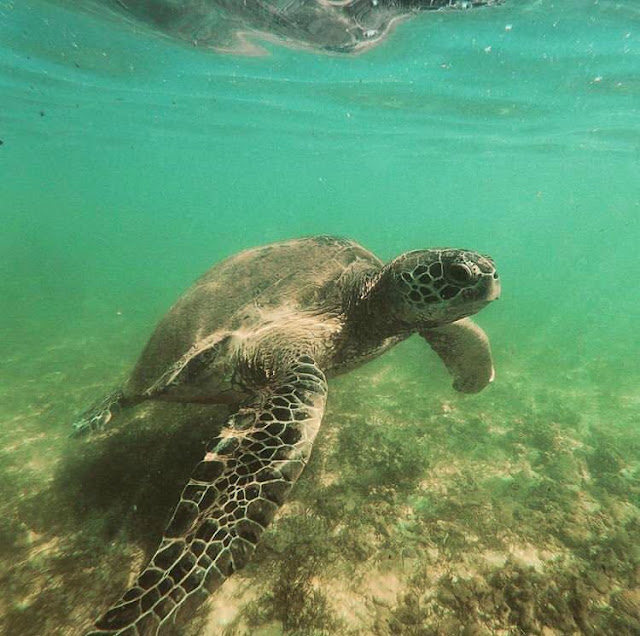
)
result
[(262, 331), (343, 26)]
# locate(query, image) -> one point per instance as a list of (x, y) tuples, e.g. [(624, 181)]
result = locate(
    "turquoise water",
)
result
[(130, 163)]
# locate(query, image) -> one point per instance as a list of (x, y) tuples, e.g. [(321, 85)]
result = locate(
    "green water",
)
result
[(131, 163)]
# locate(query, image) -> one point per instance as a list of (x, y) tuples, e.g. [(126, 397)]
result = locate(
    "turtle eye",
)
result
[(460, 274)]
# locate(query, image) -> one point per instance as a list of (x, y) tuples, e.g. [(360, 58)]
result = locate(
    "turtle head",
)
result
[(428, 288)]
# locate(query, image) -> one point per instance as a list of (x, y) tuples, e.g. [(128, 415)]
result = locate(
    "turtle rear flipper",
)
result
[(99, 415)]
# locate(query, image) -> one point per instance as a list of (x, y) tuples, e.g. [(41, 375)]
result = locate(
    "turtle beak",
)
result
[(493, 288)]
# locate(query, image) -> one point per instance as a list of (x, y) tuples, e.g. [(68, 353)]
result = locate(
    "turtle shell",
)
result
[(238, 295)]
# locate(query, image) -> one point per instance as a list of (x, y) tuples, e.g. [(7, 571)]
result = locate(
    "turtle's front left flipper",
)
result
[(230, 499), (465, 350)]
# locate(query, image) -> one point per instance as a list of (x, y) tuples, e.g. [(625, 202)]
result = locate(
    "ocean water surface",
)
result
[(131, 161)]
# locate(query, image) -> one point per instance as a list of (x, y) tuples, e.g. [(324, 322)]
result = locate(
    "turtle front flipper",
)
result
[(465, 350), (231, 498), (99, 414)]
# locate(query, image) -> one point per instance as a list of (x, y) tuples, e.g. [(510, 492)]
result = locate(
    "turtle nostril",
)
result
[(495, 276)]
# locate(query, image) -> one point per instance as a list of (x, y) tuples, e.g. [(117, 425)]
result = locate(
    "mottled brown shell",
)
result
[(234, 296)]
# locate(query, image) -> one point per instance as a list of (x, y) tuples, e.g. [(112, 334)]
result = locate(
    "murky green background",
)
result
[(130, 164)]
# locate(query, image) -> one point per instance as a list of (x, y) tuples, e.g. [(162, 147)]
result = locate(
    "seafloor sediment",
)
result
[(422, 512)]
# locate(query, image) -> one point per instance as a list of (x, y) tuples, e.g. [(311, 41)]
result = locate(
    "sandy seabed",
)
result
[(422, 512)]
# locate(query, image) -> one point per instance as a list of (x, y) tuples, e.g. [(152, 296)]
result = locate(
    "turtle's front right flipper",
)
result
[(231, 498), (100, 414), (465, 350)]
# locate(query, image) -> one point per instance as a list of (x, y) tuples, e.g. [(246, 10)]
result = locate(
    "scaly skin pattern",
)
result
[(98, 416), (231, 498)]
